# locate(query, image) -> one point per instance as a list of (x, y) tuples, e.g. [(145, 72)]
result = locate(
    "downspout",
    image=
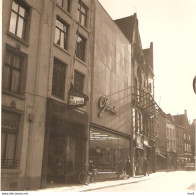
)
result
[(92, 34)]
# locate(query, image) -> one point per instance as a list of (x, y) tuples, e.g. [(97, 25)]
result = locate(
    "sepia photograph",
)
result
[(98, 96)]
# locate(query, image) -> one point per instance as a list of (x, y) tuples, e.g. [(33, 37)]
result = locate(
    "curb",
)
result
[(114, 185)]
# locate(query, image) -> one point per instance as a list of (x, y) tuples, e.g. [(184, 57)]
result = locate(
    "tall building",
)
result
[(144, 108), (45, 48)]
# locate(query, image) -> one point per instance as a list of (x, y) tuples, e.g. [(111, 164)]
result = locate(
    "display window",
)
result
[(108, 150)]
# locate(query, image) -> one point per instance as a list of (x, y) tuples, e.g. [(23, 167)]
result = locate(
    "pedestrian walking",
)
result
[(145, 167), (128, 167)]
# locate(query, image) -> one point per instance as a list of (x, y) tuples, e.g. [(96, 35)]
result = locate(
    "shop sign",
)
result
[(76, 101), (104, 106)]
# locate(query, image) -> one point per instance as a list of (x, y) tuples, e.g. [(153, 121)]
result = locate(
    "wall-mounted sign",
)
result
[(104, 106), (76, 101)]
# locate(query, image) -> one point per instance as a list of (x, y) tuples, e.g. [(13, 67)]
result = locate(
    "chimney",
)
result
[(185, 112)]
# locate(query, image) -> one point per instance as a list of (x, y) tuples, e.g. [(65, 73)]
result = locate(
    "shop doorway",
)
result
[(66, 153)]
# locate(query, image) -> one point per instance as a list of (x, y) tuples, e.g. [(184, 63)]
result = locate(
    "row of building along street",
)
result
[(78, 86)]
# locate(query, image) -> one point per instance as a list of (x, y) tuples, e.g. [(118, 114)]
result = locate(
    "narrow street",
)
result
[(178, 181)]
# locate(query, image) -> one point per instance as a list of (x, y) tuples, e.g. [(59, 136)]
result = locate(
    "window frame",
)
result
[(23, 72), (66, 33), (15, 163), (25, 20), (61, 96), (80, 13)]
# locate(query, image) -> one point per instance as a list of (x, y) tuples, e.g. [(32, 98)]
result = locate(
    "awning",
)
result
[(146, 103), (161, 155)]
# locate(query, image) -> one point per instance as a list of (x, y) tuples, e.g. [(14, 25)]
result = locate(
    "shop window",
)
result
[(78, 81), (61, 33), (18, 19), (80, 47), (14, 71), (58, 81), (65, 4), (107, 150), (82, 13), (9, 132)]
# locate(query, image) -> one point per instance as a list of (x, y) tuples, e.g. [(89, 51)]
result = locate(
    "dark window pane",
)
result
[(12, 72), (6, 81), (9, 131), (78, 81), (10, 147), (58, 81), (80, 49), (15, 81)]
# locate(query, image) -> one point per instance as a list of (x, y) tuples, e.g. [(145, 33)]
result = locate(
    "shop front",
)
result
[(108, 149), (65, 144), (139, 155)]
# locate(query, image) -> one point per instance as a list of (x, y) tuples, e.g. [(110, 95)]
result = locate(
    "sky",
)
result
[(171, 26)]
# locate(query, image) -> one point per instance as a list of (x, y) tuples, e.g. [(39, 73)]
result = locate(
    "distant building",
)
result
[(161, 141), (180, 146), (182, 120), (192, 133), (171, 143)]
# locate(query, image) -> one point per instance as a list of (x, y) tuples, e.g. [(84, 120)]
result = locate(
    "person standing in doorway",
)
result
[(146, 167)]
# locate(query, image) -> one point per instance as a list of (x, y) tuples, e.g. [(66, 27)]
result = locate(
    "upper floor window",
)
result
[(13, 73), (65, 4), (81, 47), (18, 19), (61, 34), (82, 13), (58, 80), (78, 81), (9, 132)]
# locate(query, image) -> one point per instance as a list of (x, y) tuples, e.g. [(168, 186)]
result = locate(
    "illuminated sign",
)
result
[(75, 100), (103, 105)]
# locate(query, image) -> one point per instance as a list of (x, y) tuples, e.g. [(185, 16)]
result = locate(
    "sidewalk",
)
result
[(99, 185)]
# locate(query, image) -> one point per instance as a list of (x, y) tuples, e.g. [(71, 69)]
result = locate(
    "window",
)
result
[(65, 4), (80, 47), (13, 77), (9, 132), (18, 19), (58, 81), (82, 13), (61, 34), (78, 81)]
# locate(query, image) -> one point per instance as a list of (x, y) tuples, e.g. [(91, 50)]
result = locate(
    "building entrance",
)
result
[(65, 153)]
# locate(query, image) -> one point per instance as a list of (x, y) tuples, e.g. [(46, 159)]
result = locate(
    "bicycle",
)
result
[(86, 177)]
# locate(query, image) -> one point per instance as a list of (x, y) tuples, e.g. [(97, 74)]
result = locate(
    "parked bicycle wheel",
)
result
[(84, 178)]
